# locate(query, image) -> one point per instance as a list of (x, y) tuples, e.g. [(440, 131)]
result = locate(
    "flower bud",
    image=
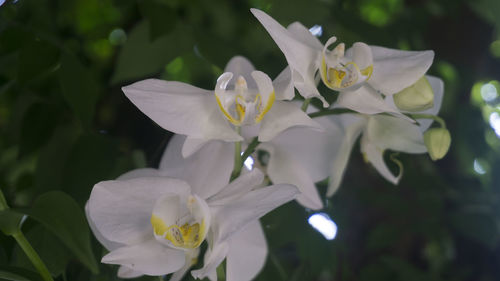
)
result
[(437, 141), (417, 97)]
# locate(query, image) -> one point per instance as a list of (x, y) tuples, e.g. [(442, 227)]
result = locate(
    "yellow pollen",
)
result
[(339, 78), (185, 236)]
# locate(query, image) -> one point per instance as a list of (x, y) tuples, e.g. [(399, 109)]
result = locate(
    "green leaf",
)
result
[(17, 274), (36, 58), (10, 221), (37, 126), (92, 159), (480, 227), (161, 17), (140, 57), (52, 158), (59, 213), (50, 248), (78, 88)]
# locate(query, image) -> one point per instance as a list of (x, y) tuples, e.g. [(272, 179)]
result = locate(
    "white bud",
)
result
[(437, 141), (417, 97)]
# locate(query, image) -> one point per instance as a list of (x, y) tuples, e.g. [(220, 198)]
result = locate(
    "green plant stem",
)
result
[(330, 112), (438, 119), (305, 104), (3, 202), (33, 256), (26, 246), (240, 159), (238, 163), (221, 273), (250, 149), (279, 267)]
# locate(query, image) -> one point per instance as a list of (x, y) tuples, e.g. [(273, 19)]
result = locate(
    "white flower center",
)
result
[(180, 225), (341, 73), (243, 106)]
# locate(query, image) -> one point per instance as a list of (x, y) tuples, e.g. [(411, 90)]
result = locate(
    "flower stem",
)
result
[(221, 274), (243, 156), (305, 104), (238, 163), (438, 119), (33, 256), (3, 202), (250, 149), (335, 111), (26, 246)]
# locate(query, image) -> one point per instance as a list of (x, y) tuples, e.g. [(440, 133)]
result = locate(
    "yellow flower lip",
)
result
[(180, 223), (242, 106), (187, 236)]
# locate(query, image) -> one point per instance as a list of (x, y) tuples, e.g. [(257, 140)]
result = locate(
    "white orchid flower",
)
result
[(153, 223), (242, 97), (327, 153), (381, 133), (361, 75)]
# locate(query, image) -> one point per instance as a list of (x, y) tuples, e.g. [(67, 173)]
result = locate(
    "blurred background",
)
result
[(65, 125)]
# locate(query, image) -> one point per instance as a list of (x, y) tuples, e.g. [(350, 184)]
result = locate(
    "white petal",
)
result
[(367, 101), (201, 212), (376, 157), (284, 168), (169, 208), (191, 259), (395, 70), (313, 148), (212, 259), (388, 132), (240, 66), (232, 217), (207, 171), (283, 85), (302, 58), (181, 108), (125, 272), (352, 126), (264, 84), (121, 210), (149, 258), (139, 173), (284, 115), (362, 55), (191, 145), (302, 33), (247, 253), (108, 244), (240, 186)]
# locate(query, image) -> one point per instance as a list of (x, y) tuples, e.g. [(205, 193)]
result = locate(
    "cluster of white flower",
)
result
[(153, 221)]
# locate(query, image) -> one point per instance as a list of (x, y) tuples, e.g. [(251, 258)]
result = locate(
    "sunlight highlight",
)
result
[(495, 122), (478, 168), (489, 92), (248, 162), (316, 30), (324, 225)]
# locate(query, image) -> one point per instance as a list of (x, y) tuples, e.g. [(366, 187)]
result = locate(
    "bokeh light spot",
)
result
[(249, 163), (324, 225), (478, 167), (495, 122), (316, 30), (495, 48), (117, 37), (489, 92)]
